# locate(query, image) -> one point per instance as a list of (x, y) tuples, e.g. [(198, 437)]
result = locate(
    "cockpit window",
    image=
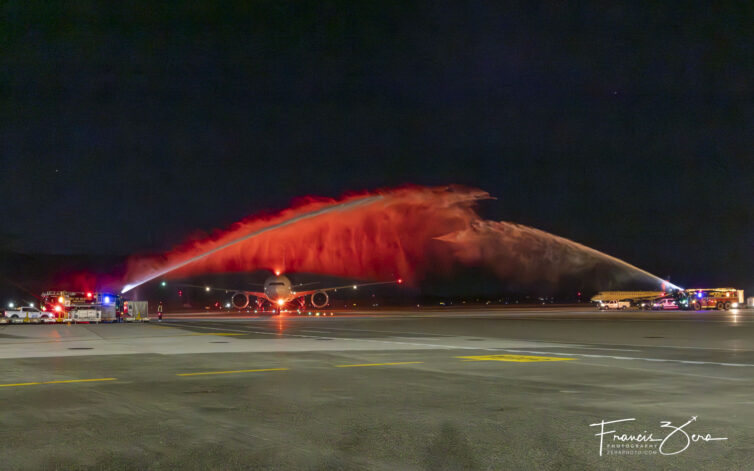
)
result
[(277, 283)]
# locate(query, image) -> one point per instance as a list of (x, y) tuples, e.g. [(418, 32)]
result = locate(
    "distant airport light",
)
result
[(206, 288), (354, 286), (163, 284)]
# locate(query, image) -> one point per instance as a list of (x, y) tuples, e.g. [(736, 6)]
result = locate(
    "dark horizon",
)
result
[(625, 128)]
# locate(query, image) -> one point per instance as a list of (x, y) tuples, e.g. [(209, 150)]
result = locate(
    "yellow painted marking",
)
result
[(80, 380), (229, 372), (516, 358), (380, 364), (59, 382)]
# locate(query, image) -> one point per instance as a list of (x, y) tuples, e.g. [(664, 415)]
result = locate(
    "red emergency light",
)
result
[(89, 294)]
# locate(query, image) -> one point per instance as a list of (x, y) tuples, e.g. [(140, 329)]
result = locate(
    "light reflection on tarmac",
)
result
[(512, 388)]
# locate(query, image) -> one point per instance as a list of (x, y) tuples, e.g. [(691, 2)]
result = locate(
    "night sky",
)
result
[(129, 126)]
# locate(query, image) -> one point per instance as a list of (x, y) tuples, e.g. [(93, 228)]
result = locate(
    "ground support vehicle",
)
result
[(27, 314), (664, 304), (699, 299), (614, 305)]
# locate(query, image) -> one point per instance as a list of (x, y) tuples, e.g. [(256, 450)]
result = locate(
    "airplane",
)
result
[(279, 291)]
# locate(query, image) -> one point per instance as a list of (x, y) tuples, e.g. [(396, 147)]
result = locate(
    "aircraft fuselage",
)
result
[(279, 290)]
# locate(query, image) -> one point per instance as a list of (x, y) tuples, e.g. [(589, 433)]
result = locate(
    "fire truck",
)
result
[(711, 298), (82, 305)]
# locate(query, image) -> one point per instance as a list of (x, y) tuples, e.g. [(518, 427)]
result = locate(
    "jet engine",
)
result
[(240, 300), (320, 299)]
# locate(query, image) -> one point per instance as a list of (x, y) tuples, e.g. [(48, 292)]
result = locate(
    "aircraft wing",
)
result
[(298, 285), (258, 294), (351, 286)]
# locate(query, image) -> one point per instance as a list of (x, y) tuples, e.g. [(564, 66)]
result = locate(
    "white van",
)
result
[(664, 304)]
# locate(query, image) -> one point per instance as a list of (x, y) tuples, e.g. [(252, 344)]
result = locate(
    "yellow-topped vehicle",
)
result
[(696, 299), (715, 298)]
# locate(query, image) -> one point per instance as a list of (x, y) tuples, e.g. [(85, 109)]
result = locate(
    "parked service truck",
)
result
[(135, 311), (27, 314), (80, 305)]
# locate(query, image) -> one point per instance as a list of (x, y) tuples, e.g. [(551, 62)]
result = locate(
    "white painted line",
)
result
[(458, 347), (630, 358)]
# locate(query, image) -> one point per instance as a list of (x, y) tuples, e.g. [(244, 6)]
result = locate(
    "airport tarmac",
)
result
[(432, 389)]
